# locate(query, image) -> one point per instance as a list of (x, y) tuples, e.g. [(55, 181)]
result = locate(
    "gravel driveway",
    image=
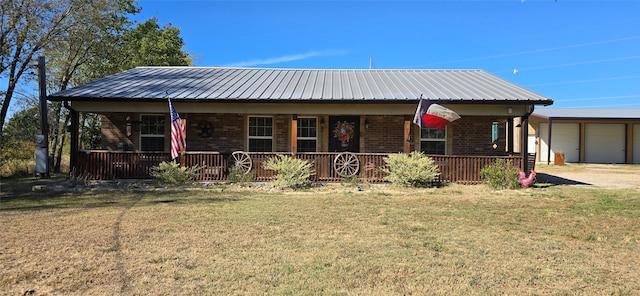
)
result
[(595, 175)]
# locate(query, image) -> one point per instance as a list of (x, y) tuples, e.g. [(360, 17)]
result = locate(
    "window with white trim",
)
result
[(307, 134), (260, 134), (433, 141), (152, 133)]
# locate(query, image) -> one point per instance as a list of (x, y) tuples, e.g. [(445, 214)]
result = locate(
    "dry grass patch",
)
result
[(451, 240)]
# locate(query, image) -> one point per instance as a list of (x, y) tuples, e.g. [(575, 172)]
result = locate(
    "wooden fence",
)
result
[(107, 165)]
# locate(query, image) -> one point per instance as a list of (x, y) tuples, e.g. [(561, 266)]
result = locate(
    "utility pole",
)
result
[(42, 140)]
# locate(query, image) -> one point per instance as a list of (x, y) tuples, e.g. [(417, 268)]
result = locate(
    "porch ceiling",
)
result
[(216, 84)]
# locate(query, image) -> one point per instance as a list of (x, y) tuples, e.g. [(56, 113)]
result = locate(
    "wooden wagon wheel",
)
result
[(241, 159), (346, 164)]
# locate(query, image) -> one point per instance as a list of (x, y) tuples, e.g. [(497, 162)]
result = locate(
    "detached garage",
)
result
[(585, 135)]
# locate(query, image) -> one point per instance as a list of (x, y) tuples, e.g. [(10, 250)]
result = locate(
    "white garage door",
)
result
[(565, 138), (636, 143), (604, 143)]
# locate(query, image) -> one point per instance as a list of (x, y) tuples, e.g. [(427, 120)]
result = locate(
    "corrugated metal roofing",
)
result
[(587, 113), (216, 83)]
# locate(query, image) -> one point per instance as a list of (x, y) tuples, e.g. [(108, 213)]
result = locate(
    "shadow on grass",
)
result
[(543, 179), (18, 195), (22, 188)]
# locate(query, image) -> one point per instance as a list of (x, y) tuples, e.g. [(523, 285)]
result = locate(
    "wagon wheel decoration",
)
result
[(346, 164), (241, 159)]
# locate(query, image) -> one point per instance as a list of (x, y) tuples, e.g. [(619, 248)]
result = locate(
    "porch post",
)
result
[(549, 129), (75, 133), (407, 134), (294, 133), (525, 144), (510, 136)]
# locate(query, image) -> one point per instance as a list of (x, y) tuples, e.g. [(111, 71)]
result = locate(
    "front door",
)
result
[(344, 134)]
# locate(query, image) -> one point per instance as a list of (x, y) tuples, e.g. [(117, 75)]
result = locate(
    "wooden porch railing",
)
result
[(106, 165)]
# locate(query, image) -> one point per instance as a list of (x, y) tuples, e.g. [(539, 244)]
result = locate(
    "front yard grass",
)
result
[(453, 240)]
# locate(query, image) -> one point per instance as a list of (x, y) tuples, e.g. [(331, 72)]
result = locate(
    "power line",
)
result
[(601, 98), (573, 64), (584, 81), (532, 51)]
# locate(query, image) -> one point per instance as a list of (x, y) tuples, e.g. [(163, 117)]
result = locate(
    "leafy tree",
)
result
[(94, 28), (149, 45), (18, 145), (83, 40), (26, 28), (23, 125)]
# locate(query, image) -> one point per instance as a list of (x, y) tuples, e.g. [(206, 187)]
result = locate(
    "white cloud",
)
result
[(289, 58)]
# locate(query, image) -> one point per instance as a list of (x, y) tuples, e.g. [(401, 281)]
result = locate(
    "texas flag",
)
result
[(433, 115)]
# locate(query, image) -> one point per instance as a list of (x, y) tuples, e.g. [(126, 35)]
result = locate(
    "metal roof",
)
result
[(279, 85), (587, 113)]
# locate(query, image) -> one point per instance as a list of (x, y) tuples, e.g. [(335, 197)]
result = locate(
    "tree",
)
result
[(108, 46), (149, 45), (93, 31), (18, 146), (26, 28), (83, 40)]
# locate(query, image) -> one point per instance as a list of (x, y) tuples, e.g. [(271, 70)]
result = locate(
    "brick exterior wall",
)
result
[(470, 135), (282, 132), (216, 132), (384, 135), (114, 135)]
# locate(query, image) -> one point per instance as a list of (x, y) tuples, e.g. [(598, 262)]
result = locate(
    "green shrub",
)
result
[(500, 175), (410, 170), (171, 173), (16, 158), (291, 172), (237, 175)]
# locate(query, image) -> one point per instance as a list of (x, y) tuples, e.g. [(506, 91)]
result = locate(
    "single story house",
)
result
[(585, 135), (323, 115)]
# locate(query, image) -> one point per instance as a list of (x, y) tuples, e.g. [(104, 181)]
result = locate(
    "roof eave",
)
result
[(307, 101)]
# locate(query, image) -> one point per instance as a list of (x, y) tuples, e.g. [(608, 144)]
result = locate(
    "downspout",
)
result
[(549, 129), (525, 139), (73, 157)]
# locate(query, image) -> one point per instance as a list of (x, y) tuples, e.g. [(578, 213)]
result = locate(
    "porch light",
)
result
[(366, 124), (321, 122)]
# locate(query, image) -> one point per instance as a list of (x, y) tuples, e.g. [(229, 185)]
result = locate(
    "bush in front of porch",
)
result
[(410, 170), (500, 175), (291, 172), (171, 173)]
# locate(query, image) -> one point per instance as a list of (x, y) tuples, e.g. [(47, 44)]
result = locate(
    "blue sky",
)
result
[(579, 53)]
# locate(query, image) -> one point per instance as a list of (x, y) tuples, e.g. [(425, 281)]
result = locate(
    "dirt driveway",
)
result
[(595, 175)]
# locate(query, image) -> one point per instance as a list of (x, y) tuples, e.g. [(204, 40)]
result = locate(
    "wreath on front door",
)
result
[(343, 132)]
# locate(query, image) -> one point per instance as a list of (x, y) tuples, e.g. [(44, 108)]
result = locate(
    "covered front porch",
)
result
[(328, 166)]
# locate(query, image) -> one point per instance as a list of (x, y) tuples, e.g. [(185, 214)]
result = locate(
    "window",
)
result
[(307, 134), (433, 141), (152, 133), (260, 134)]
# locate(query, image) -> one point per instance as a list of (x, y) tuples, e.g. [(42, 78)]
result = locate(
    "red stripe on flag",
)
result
[(433, 115), (178, 136)]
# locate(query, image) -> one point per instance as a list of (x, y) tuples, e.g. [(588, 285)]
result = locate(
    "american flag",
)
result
[(178, 141)]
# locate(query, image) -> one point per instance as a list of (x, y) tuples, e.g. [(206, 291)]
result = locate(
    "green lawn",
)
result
[(329, 241)]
